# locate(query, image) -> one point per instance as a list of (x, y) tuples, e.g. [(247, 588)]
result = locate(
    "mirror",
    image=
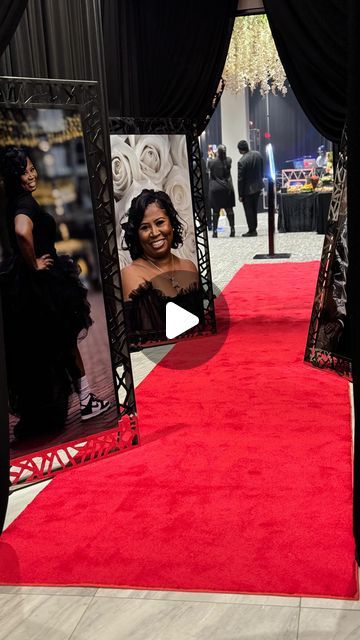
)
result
[(64, 381)]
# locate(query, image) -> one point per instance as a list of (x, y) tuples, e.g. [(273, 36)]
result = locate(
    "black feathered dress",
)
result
[(45, 313)]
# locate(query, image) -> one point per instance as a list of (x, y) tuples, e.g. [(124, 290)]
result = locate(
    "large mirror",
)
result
[(67, 386)]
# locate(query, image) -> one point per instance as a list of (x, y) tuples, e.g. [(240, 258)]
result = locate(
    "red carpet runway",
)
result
[(242, 482)]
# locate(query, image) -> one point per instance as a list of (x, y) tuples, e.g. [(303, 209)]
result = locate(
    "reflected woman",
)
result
[(45, 311), (156, 275)]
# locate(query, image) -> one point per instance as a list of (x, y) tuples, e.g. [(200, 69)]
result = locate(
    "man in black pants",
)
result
[(250, 184)]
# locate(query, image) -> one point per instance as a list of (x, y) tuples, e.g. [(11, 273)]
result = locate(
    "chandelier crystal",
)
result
[(252, 59)]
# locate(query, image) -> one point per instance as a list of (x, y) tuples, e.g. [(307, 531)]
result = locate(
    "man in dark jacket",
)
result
[(250, 184)]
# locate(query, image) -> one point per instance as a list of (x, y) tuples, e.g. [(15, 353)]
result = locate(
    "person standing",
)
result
[(222, 194), (205, 178), (250, 184), (321, 157), (46, 311)]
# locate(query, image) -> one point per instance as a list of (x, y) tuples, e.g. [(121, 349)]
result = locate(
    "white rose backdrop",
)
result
[(154, 157), (158, 162), (125, 166)]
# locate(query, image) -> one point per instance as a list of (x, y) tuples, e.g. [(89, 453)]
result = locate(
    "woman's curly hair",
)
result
[(13, 162), (136, 215)]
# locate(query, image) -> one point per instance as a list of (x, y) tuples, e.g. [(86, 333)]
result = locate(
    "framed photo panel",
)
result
[(161, 228), (328, 343), (70, 386)]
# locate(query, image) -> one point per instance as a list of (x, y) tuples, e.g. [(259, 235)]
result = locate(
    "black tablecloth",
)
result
[(321, 208), (303, 211)]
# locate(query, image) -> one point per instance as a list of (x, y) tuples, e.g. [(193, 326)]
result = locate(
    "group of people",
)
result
[(221, 190)]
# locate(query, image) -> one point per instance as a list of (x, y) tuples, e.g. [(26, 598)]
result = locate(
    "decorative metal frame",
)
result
[(83, 97), (128, 126), (300, 175), (337, 219)]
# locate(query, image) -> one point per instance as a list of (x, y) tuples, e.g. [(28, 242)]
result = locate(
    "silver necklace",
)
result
[(169, 276)]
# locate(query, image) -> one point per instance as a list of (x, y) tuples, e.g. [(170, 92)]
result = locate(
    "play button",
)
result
[(178, 320)]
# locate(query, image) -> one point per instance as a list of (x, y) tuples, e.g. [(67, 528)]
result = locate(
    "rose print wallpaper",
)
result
[(157, 162)]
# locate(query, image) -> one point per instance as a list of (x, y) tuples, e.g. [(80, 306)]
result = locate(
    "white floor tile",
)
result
[(49, 591), (20, 498), (329, 624), (40, 617), (116, 619), (193, 596), (330, 603)]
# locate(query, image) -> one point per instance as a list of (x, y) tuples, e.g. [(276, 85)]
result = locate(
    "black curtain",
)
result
[(165, 58), (212, 133), (55, 40), (162, 58), (286, 116), (10, 14), (311, 38)]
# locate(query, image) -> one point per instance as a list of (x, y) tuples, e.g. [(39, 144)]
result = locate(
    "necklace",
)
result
[(169, 276)]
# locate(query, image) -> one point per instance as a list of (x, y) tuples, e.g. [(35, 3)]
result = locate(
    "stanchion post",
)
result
[(271, 216), (271, 211)]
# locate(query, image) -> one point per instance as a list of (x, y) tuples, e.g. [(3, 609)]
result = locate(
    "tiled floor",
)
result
[(29, 613)]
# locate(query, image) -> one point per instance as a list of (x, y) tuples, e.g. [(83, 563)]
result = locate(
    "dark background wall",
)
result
[(292, 134)]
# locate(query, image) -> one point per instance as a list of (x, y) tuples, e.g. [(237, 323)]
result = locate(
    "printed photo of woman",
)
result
[(156, 275)]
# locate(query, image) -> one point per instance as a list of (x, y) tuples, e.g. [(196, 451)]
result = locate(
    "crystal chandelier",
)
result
[(252, 59)]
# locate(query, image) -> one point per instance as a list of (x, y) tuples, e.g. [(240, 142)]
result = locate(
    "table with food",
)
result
[(303, 204)]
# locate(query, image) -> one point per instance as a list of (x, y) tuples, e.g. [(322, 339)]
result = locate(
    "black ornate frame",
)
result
[(83, 96), (332, 280), (128, 126)]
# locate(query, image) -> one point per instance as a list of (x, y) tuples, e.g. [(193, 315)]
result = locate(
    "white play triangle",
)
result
[(178, 320)]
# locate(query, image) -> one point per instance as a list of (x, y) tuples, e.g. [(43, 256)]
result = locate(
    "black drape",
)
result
[(10, 14), (311, 38), (165, 58), (55, 40), (162, 58), (285, 115)]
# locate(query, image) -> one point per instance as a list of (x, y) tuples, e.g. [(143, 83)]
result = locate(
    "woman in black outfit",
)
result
[(45, 311), (222, 194), (156, 276)]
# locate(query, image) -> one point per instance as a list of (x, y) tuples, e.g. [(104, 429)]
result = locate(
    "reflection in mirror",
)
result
[(59, 369)]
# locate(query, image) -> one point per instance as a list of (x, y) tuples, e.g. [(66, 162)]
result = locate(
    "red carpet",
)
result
[(243, 482)]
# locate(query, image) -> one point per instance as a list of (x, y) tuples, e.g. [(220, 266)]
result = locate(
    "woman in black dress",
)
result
[(222, 194), (45, 311), (156, 276)]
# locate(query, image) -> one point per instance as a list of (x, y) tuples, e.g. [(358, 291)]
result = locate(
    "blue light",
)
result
[(270, 157)]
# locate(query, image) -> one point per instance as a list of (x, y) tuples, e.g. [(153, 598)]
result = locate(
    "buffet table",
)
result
[(303, 211)]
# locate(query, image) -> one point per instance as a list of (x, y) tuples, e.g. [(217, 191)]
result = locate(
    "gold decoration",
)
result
[(252, 59), (15, 129)]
